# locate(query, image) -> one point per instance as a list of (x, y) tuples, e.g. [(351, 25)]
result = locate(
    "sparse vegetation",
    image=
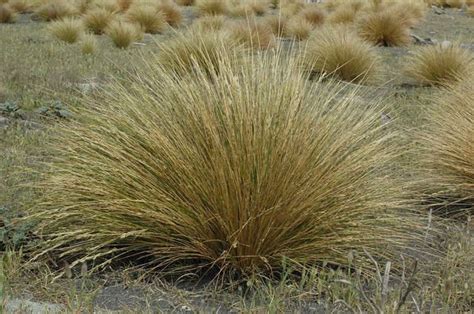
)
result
[(340, 52), (440, 64)]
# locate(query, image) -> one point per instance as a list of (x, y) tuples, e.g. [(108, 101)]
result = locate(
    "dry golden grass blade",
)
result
[(236, 170), (299, 29), (212, 7), (253, 34), (340, 52), (88, 44), (440, 64)]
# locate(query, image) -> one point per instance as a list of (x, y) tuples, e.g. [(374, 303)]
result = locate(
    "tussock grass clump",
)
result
[(278, 24), (440, 64), (212, 7), (384, 29), (69, 30), (253, 34), (447, 158), (299, 29), (7, 15), (97, 20), (148, 17), (20, 6), (196, 50), (173, 15), (313, 15), (88, 44), (455, 3), (343, 15), (223, 175), (123, 33), (124, 5), (340, 52), (55, 10)]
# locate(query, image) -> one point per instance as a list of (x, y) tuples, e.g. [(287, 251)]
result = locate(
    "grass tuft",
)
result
[(299, 29), (253, 34), (440, 64), (148, 17), (123, 34), (212, 7), (55, 10), (7, 15), (225, 176), (384, 28), (340, 52), (20, 6), (69, 30), (88, 44), (313, 15), (210, 23), (97, 20), (447, 157), (185, 2), (173, 15), (278, 24)]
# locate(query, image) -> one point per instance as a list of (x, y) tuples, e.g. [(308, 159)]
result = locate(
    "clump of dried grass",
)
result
[(97, 20), (237, 173), (7, 15), (440, 64), (88, 44), (210, 23), (299, 29), (68, 30), (55, 10), (384, 28), (253, 34), (447, 154), (123, 34), (340, 52), (212, 7), (148, 17)]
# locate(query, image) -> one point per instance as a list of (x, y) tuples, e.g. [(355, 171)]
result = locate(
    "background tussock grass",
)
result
[(440, 64), (224, 175)]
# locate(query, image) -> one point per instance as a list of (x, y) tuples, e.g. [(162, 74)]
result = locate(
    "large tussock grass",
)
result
[(235, 170), (448, 149)]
